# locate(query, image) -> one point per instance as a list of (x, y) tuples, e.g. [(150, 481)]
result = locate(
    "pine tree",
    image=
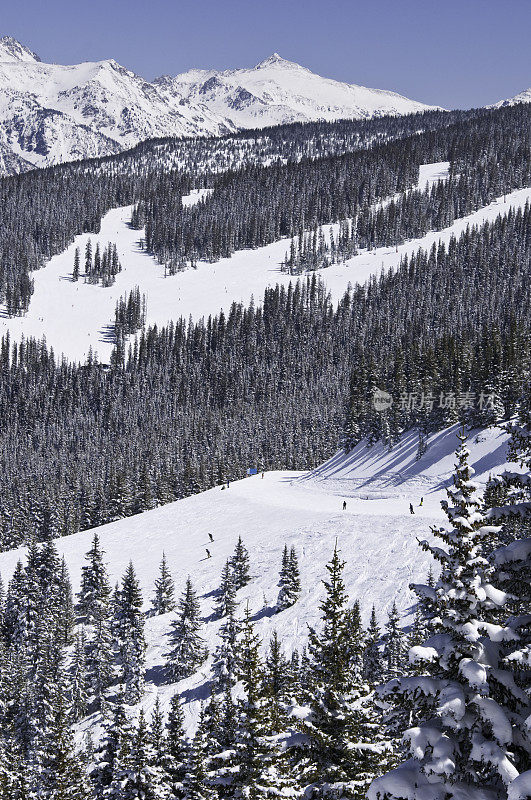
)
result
[(163, 600), (100, 660), (197, 780), (226, 598), (63, 776), (345, 746), (373, 669), (226, 662), (177, 748), (188, 650), (107, 764), (240, 565), (276, 684), (79, 682), (356, 646), (129, 626), (256, 756), (75, 271), (394, 647), (289, 582), (95, 591), (135, 775), (14, 622), (461, 711)]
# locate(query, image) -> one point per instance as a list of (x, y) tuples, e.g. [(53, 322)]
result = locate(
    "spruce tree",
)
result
[(177, 748), (256, 755), (163, 600), (240, 565), (226, 597), (188, 650), (289, 583), (464, 705), (95, 591), (129, 627), (345, 746), (226, 662), (373, 668), (394, 647)]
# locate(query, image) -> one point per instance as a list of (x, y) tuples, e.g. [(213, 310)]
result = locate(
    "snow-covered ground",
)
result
[(376, 534), (75, 316)]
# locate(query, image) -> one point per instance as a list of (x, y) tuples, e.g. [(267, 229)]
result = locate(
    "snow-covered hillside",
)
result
[(76, 316), (51, 113), (376, 534)]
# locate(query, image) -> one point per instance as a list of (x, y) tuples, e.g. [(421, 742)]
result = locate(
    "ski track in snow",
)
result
[(76, 316), (377, 538)]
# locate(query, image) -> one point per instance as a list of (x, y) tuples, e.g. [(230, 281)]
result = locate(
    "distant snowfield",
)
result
[(75, 317), (377, 538)]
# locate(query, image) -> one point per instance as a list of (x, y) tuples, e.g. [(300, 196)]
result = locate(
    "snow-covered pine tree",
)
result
[(276, 685), (14, 622), (225, 602), (240, 565), (394, 645), (135, 774), (112, 748), (466, 740), (289, 582), (188, 649), (257, 758), (63, 776), (95, 591), (199, 780), (100, 658), (65, 606), (177, 749), (345, 747), (373, 667), (356, 636), (163, 599), (226, 663), (78, 682), (129, 627)]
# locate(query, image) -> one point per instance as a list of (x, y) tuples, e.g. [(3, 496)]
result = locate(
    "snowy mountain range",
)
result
[(51, 113)]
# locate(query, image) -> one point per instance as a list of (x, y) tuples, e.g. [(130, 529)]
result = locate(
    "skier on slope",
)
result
[(344, 505), (208, 552), (411, 510), (210, 537)]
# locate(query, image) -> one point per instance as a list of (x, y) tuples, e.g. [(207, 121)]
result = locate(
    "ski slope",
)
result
[(377, 537), (75, 317)]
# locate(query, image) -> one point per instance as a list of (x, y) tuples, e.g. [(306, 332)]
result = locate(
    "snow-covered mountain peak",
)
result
[(12, 50), (521, 97), (276, 60)]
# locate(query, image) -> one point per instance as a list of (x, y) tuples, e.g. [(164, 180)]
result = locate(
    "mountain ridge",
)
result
[(51, 113)]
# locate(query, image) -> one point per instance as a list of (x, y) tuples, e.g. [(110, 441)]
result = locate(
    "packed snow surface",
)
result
[(76, 316), (376, 534)]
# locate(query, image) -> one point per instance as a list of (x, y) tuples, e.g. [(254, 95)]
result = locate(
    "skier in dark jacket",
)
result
[(210, 537), (208, 552), (344, 505), (411, 510)]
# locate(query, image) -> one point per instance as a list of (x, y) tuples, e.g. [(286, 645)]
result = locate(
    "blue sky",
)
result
[(455, 54)]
